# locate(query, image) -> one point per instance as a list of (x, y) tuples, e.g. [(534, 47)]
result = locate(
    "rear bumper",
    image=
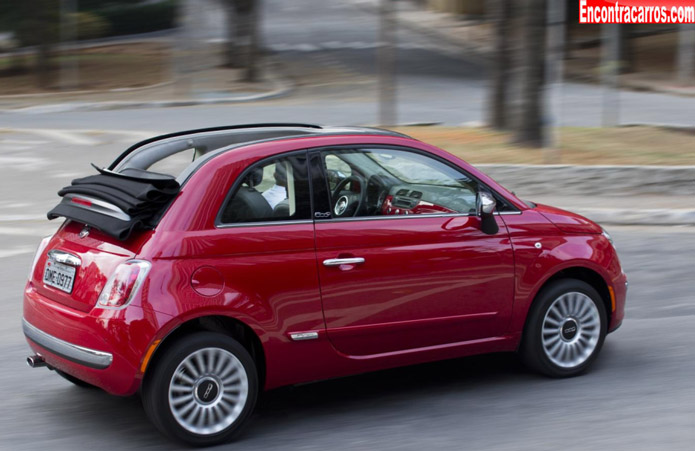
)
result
[(104, 347), (84, 356)]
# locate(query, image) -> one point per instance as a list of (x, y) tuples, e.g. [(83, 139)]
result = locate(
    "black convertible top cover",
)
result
[(117, 202)]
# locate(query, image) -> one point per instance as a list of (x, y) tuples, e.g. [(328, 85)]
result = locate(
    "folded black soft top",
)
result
[(117, 202)]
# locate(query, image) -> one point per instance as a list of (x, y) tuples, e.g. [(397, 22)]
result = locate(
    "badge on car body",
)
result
[(84, 232)]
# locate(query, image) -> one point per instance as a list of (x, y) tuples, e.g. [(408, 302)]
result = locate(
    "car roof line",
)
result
[(312, 129), (356, 131)]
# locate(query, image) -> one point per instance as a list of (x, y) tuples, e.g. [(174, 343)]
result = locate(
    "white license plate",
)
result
[(59, 275)]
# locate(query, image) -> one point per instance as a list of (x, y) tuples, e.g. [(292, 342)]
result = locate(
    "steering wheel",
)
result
[(348, 203)]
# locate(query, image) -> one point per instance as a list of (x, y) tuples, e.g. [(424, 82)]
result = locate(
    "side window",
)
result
[(274, 190), (382, 182), (336, 170)]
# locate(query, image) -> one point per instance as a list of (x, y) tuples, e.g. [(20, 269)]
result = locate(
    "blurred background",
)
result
[(599, 119)]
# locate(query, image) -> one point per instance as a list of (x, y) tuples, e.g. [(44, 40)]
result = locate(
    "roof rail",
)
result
[(208, 129)]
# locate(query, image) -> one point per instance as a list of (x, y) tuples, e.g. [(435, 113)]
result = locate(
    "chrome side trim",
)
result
[(443, 215), (263, 223), (98, 206), (343, 261), (65, 258), (302, 336), (78, 354), (363, 218)]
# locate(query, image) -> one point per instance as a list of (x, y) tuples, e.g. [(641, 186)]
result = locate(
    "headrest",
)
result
[(254, 178)]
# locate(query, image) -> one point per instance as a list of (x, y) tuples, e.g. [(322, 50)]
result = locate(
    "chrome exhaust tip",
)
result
[(36, 361)]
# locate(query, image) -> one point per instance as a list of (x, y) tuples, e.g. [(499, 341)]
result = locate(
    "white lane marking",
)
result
[(22, 142), (27, 231), (131, 136), (4, 253), (68, 137), (22, 163), (14, 147), (66, 175), (73, 137)]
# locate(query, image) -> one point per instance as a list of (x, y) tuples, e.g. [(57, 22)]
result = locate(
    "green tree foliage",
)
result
[(34, 22), (91, 26)]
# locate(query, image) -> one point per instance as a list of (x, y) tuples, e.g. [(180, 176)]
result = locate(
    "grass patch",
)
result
[(100, 68), (578, 145)]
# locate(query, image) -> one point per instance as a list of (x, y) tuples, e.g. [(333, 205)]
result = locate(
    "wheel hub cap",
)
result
[(208, 391), (571, 330)]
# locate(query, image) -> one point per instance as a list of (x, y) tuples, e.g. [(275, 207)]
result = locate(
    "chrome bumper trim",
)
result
[(84, 356)]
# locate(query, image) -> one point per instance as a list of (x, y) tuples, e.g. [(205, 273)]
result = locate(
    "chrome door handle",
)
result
[(343, 261)]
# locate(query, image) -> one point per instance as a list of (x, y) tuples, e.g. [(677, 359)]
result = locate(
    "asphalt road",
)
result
[(639, 395)]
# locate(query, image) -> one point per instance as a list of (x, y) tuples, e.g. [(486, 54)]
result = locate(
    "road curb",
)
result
[(283, 86), (655, 217), (83, 92), (569, 180)]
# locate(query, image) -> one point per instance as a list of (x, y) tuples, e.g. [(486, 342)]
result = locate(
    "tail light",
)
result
[(39, 251), (123, 283)]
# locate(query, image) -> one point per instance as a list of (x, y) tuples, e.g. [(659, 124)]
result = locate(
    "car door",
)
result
[(409, 267), (264, 246)]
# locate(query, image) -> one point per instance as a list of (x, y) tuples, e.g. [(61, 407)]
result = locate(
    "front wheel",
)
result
[(202, 390), (565, 329)]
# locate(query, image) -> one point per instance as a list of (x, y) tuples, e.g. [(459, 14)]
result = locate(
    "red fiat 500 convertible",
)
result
[(204, 266)]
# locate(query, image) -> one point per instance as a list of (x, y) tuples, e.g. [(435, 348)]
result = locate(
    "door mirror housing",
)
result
[(485, 204)]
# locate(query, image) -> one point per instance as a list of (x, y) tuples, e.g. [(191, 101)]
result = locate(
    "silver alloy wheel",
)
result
[(571, 330), (208, 391)]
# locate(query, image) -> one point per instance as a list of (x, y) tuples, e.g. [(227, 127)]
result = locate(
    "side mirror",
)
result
[(485, 204)]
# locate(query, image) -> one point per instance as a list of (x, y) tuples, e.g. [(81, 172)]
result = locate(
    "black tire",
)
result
[(573, 339), (155, 390), (78, 382)]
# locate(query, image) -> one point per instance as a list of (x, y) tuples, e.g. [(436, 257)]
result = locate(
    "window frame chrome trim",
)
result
[(263, 223), (239, 180), (414, 216)]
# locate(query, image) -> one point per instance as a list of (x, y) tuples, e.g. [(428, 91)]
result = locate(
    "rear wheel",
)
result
[(202, 390), (565, 329)]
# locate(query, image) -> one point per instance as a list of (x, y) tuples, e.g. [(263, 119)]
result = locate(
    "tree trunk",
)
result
[(232, 51), (686, 53), (46, 27), (43, 63), (499, 93), (627, 53), (529, 128), (251, 72)]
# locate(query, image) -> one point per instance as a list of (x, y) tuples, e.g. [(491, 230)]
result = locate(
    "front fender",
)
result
[(541, 251)]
